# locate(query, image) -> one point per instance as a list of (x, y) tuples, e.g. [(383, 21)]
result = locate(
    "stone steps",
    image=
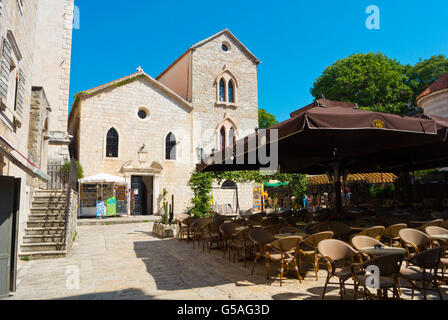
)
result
[(45, 227), (42, 255), (42, 238), (45, 223), (46, 217), (44, 231), (39, 247)]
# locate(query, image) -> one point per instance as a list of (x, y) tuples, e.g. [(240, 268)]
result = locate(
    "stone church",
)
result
[(153, 131)]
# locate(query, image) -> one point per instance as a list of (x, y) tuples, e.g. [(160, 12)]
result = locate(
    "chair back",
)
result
[(198, 224), (189, 221), (359, 242), (428, 259), (435, 231), (389, 265), (228, 229), (335, 249), (261, 237), (213, 227), (339, 228), (287, 244), (288, 230), (393, 230), (416, 237), (273, 229), (255, 219), (241, 222), (293, 220), (444, 224), (269, 221), (374, 232), (314, 240), (435, 223)]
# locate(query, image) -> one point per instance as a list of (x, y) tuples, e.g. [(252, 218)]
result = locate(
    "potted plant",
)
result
[(165, 228)]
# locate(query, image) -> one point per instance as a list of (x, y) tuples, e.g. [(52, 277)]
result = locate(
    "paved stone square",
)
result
[(127, 262)]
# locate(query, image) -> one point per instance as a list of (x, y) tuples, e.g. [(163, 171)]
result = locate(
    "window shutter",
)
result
[(20, 94), (5, 68)]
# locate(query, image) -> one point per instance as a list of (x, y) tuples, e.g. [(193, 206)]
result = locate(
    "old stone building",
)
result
[(153, 132), (434, 100), (35, 51)]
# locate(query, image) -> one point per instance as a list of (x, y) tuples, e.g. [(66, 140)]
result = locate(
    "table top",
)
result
[(286, 235), (420, 222), (242, 228), (384, 250), (440, 237), (304, 224)]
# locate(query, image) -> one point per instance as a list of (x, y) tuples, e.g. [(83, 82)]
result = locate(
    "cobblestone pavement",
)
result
[(127, 262)]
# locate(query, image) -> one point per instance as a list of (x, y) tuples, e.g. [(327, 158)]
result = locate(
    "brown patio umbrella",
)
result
[(328, 136)]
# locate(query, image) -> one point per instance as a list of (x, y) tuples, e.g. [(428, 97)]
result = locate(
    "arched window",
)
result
[(112, 143), (222, 138), (222, 90), (170, 147), (231, 92), (232, 137)]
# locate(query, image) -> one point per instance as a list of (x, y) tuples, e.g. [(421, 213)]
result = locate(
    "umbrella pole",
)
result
[(337, 189)]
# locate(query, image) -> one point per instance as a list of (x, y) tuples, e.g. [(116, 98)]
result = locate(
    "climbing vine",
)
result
[(201, 185)]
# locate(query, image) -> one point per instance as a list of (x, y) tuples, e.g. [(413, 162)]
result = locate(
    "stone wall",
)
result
[(52, 63)]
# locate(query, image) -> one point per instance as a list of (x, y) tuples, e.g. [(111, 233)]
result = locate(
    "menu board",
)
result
[(111, 207), (258, 190), (100, 209)]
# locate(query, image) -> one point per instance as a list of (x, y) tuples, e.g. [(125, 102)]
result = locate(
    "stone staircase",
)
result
[(44, 233)]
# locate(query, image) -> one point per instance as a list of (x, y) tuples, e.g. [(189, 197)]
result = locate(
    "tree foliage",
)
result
[(265, 119), (371, 80), (425, 72), (66, 170)]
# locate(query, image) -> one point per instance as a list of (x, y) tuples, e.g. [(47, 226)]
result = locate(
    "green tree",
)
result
[(265, 119), (373, 81), (66, 170), (425, 72)]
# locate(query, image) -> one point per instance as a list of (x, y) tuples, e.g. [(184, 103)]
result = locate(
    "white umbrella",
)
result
[(103, 178)]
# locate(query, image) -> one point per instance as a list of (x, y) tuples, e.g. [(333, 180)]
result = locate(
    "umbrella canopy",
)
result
[(103, 178), (328, 132)]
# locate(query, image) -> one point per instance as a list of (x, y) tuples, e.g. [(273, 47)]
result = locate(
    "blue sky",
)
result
[(295, 40)]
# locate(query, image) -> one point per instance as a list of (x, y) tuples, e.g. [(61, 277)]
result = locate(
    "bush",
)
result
[(66, 170)]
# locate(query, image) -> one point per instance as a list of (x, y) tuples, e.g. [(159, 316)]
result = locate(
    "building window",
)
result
[(231, 92), (222, 90), (112, 143), (226, 89), (222, 138), (170, 147)]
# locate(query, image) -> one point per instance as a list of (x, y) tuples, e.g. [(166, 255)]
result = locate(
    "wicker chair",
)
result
[(341, 230), (255, 219), (424, 267), (242, 244), (360, 242), (415, 239), (197, 229), (436, 231), (260, 239), (185, 230), (288, 230), (308, 249), (374, 232), (211, 235), (389, 267), (269, 221), (435, 223), (284, 251), (273, 229), (227, 232), (336, 252), (391, 233)]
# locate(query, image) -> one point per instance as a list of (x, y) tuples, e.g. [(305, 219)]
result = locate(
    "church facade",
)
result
[(153, 131)]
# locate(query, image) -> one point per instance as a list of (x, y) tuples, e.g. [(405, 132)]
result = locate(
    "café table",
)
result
[(242, 228), (380, 251), (286, 235)]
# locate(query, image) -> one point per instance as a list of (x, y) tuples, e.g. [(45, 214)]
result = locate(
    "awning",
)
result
[(276, 184), (366, 177), (103, 178)]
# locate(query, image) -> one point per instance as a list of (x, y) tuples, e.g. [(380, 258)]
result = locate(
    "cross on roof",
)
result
[(140, 69)]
